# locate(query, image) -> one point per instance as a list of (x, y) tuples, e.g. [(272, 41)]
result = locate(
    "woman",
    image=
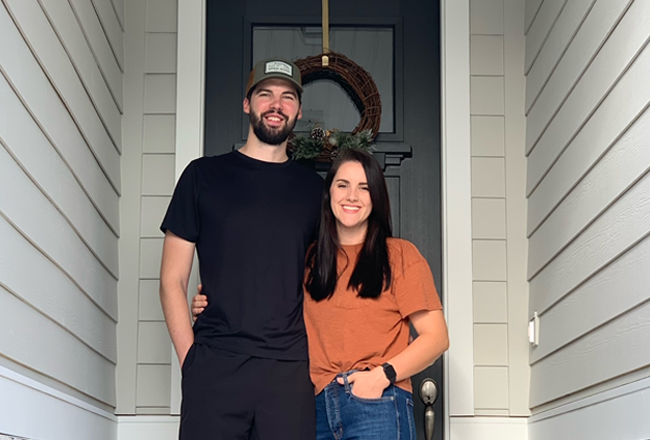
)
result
[(362, 289)]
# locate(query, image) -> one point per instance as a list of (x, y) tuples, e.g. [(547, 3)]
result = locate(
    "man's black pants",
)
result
[(229, 396)]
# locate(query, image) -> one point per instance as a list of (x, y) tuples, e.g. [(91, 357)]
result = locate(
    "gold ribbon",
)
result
[(326, 33)]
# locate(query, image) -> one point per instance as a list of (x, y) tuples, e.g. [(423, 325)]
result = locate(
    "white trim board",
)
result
[(489, 428), (59, 415), (456, 198), (148, 427), (456, 206)]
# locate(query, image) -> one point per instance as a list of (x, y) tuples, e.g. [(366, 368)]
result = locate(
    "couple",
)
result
[(250, 214)]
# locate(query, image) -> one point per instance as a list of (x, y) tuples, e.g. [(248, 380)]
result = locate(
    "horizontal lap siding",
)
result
[(22, 70), (48, 348), (60, 142), (112, 27), (541, 28), (551, 53), (92, 28), (531, 10), (70, 33), (42, 39), (588, 130)]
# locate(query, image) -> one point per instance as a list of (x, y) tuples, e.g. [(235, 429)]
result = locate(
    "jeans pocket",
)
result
[(387, 396)]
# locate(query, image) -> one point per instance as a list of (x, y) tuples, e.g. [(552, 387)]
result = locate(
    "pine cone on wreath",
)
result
[(317, 133)]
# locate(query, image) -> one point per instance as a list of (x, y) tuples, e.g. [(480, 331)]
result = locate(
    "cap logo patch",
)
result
[(278, 67)]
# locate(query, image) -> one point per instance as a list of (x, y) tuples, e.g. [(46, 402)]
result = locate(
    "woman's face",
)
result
[(350, 202)]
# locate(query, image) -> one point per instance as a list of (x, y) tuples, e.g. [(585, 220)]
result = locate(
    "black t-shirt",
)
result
[(252, 222)]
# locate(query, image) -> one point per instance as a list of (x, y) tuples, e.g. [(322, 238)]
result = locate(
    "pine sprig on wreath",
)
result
[(325, 144)]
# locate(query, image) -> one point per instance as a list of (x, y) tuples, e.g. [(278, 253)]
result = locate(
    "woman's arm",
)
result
[(431, 342)]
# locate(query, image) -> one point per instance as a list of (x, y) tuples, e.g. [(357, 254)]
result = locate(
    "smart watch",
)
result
[(390, 373)]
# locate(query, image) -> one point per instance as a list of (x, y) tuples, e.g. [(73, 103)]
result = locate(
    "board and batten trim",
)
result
[(130, 207), (516, 209)]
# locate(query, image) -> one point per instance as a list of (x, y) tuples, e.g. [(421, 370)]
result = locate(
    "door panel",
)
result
[(414, 183)]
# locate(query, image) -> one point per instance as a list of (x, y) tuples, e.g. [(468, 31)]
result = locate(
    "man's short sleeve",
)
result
[(182, 217)]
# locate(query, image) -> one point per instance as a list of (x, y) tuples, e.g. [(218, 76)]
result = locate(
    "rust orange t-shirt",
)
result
[(346, 332)]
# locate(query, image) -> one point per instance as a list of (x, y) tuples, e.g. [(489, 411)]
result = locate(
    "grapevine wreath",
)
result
[(324, 145)]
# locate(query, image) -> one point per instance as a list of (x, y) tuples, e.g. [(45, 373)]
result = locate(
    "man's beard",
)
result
[(268, 135)]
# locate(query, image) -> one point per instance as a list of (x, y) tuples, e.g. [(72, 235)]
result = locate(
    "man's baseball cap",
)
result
[(274, 68)]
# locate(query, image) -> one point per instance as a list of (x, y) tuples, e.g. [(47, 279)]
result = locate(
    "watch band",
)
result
[(390, 373)]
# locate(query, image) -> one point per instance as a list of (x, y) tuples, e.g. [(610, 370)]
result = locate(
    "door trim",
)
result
[(457, 207), (456, 178)]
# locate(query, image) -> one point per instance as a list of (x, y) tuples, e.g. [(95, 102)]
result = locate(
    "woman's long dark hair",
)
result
[(372, 273)]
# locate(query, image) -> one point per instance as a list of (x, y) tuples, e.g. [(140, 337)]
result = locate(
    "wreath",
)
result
[(324, 145)]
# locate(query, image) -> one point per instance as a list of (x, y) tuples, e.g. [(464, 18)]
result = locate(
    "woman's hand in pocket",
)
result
[(367, 384)]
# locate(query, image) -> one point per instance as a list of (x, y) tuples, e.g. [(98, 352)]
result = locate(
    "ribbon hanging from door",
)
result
[(326, 33)]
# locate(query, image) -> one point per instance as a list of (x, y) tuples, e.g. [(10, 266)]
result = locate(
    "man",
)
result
[(250, 214)]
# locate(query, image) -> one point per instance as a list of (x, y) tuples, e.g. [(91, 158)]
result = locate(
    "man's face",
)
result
[(273, 110)]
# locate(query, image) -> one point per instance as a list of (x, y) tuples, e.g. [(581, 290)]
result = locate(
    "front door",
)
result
[(401, 34)]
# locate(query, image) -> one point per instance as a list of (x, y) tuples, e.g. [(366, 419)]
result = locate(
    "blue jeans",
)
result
[(340, 415)]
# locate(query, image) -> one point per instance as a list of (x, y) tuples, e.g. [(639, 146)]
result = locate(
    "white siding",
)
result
[(588, 220), (145, 370), (60, 140), (498, 203)]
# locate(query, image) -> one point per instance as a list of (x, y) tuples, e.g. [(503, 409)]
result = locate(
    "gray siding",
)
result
[(60, 143), (498, 208), (589, 212), (145, 371)]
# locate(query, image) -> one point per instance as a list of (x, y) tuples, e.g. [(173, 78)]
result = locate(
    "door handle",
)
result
[(428, 396)]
